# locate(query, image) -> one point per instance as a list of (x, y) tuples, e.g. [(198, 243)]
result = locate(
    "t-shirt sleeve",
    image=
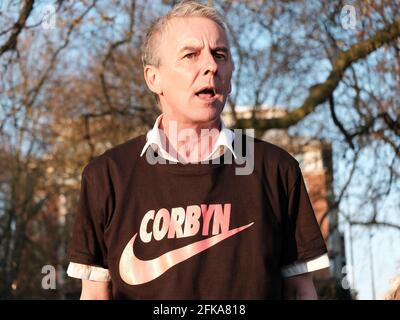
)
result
[(302, 238), (87, 244), (85, 272)]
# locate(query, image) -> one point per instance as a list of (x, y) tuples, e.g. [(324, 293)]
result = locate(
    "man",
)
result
[(184, 228)]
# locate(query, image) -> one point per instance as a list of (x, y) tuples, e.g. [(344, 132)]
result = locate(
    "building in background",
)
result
[(315, 159)]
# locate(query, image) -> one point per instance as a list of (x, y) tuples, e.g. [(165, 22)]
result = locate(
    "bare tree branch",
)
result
[(321, 92), (374, 223), (335, 205), (11, 43), (109, 53), (338, 123)]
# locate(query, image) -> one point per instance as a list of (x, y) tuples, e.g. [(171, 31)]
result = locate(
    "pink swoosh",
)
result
[(134, 271)]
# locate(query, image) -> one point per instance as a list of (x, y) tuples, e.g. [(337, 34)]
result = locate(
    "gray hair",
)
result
[(186, 8)]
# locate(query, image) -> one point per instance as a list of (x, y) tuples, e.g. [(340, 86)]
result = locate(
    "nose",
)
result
[(210, 66)]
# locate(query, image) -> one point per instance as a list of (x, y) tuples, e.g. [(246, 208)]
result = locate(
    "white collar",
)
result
[(153, 137)]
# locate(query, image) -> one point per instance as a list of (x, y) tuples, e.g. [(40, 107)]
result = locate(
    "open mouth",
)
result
[(206, 93)]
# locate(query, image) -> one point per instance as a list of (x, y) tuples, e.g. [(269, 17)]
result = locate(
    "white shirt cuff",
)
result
[(86, 272), (297, 268)]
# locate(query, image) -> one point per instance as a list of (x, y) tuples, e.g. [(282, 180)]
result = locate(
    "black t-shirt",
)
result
[(194, 231)]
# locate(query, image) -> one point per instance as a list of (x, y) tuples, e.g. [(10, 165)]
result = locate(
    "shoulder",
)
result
[(274, 164), (118, 158), (271, 154)]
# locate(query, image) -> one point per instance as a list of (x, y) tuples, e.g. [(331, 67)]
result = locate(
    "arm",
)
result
[(96, 290), (300, 287)]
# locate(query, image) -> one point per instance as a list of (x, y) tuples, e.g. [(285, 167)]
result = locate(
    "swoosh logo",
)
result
[(135, 271)]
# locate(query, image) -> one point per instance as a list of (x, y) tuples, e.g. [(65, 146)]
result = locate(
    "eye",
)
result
[(190, 55), (220, 56)]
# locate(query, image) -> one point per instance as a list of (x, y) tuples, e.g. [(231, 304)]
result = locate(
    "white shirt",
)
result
[(155, 139), (224, 140)]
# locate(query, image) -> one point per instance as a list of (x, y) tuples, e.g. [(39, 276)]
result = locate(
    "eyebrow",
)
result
[(194, 48), (223, 49)]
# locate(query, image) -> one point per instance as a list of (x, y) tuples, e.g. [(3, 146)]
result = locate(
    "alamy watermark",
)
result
[(347, 281), (49, 17), (348, 17), (49, 281), (193, 143)]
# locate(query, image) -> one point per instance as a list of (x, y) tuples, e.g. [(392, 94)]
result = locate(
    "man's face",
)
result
[(195, 70)]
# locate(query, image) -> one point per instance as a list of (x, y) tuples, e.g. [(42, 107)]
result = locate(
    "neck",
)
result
[(190, 142)]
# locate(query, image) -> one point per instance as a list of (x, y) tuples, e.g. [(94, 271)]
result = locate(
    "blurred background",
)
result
[(320, 79)]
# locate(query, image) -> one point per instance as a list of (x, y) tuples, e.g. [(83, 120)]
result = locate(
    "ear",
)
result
[(230, 78), (153, 78)]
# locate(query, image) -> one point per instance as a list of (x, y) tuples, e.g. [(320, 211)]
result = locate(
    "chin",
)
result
[(210, 111), (206, 114)]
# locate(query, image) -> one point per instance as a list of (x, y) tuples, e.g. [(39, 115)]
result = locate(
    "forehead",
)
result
[(196, 31)]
